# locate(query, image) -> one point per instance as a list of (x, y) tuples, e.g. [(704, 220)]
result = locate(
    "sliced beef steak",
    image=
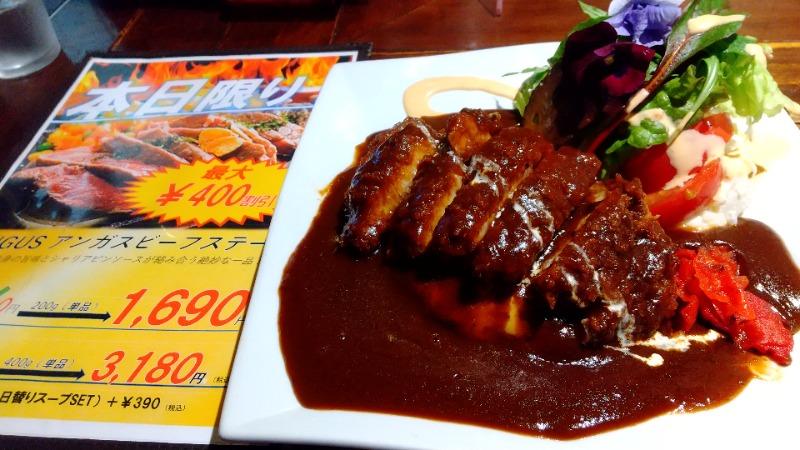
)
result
[(495, 172), (122, 146), (383, 182), (116, 171), (617, 266), (438, 180), (536, 211), (73, 187)]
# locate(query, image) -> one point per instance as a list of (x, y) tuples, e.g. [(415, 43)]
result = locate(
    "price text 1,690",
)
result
[(187, 309), (169, 368)]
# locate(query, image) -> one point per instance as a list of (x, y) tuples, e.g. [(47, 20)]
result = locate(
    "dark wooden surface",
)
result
[(394, 28)]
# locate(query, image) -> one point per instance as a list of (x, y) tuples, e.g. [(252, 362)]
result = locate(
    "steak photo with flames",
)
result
[(125, 122)]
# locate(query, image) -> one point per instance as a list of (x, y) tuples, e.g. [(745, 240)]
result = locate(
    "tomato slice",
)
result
[(673, 205), (719, 124), (651, 166)]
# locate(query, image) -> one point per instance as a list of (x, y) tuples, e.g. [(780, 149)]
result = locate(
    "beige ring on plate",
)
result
[(416, 98)]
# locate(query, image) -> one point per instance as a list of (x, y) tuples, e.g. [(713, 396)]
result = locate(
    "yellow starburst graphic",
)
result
[(215, 192)]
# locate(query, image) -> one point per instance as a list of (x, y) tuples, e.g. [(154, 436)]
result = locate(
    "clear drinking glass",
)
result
[(27, 39)]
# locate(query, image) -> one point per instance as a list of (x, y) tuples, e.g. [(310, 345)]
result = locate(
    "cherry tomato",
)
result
[(651, 166), (673, 205), (719, 124)]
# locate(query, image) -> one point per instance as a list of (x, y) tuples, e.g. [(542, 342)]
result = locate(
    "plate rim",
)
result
[(420, 433)]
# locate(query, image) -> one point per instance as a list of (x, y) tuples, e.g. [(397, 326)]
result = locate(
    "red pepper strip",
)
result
[(709, 284), (765, 333), (717, 272), (687, 287)]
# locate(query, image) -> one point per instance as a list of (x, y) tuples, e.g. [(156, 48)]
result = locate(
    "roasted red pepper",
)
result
[(709, 285)]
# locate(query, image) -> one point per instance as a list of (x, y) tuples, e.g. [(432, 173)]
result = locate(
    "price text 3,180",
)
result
[(169, 368)]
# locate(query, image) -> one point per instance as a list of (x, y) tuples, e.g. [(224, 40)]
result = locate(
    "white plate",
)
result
[(363, 97)]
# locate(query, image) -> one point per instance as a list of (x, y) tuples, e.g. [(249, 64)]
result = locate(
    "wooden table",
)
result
[(394, 28)]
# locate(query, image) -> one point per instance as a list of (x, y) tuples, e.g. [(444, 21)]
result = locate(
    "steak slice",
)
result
[(617, 267), (468, 129), (438, 180), (74, 187), (101, 163), (121, 146), (161, 136), (531, 217), (382, 182), (496, 171), (282, 133), (255, 147)]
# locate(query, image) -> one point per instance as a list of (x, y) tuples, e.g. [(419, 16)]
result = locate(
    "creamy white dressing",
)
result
[(766, 369), (772, 146), (417, 97), (701, 24), (677, 343), (688, 151), (483, 176), (626, 321), (526, 218)]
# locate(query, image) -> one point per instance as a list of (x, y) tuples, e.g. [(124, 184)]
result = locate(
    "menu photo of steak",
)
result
[(78, 172)]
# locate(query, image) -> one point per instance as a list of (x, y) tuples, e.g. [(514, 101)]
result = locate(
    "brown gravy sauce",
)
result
[(356, 336)]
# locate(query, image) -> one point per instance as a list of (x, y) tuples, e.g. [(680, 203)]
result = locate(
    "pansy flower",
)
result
[(599, 74), (647, 22)]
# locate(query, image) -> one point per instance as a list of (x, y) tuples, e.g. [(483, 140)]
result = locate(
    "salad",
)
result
[(667, 94)]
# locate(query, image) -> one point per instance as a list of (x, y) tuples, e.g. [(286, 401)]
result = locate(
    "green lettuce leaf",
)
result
[(647, 134), (747, 82), (526, 88)]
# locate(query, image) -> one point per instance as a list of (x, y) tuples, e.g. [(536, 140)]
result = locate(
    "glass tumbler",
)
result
[(28, 41)]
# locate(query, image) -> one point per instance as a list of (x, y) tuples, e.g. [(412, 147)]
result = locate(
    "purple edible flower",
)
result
[(599, 74), (647, 22)]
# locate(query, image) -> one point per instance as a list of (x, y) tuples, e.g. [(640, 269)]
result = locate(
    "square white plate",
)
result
[(363, 97)]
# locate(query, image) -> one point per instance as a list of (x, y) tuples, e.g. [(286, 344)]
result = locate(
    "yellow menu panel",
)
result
[(143, 334)]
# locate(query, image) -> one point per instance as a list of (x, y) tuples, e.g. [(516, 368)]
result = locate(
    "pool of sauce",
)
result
[(355, 335)]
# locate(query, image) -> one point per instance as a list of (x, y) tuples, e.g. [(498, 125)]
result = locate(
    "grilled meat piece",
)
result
[(117, 171), (285, 137), (189, 151), (253, 151), (255, 147), (434, 188), (160, 135), (280, 132), (72, 187), (527, 218), (532, 216), (495, 172), (617, 266), (125, 147), (382, 182), (469, 129)]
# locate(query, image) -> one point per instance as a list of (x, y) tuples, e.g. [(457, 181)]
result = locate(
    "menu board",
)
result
[(130, 233)]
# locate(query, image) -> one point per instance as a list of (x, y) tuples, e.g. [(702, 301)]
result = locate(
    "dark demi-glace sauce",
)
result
[(356, 336)]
